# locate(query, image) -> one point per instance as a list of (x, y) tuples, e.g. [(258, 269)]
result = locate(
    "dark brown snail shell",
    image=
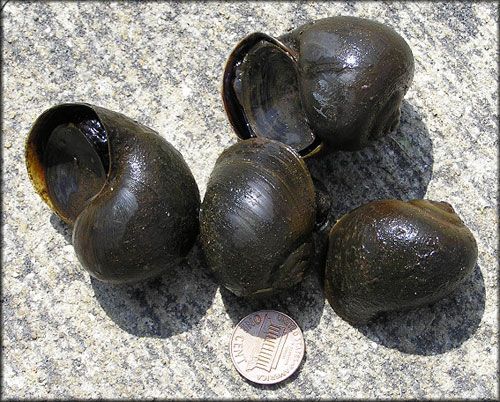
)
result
[(336, 83), (128, 193), (394, 255), (257, 218)]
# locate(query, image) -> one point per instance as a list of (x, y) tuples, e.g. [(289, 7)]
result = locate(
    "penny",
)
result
[(267, 347)]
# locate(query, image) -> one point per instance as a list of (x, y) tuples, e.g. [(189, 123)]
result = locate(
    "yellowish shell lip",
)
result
[(34, 163)]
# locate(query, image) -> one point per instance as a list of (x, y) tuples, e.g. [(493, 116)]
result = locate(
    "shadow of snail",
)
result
[(159, 307), (436, 328), (397, 166), (164, 306), (303, 302)]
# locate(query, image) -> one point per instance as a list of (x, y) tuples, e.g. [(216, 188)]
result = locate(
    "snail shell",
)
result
[(128, 193), (336, 83), (257, 218), (394, 255)]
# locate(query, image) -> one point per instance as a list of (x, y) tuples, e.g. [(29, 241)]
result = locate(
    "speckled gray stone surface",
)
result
[(66, 335)]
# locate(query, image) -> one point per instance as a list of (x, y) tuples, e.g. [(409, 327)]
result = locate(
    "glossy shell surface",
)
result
[(257, 218), (128, 193), (395, 255), (335, 83)]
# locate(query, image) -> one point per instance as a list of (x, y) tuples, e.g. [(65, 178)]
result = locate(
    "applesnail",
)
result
[(127, 192), (332, 84), (257, 218), (336, 83), (394, 255)]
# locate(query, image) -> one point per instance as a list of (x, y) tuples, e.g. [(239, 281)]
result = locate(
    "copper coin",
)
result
[(267, 347)]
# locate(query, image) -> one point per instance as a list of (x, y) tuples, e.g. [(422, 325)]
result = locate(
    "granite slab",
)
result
[(66, 335)]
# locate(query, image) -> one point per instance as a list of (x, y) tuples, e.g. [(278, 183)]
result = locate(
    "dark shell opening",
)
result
[(68, 158), (261, 94)]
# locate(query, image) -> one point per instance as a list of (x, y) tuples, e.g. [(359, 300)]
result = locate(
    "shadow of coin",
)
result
[(436, 328)]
